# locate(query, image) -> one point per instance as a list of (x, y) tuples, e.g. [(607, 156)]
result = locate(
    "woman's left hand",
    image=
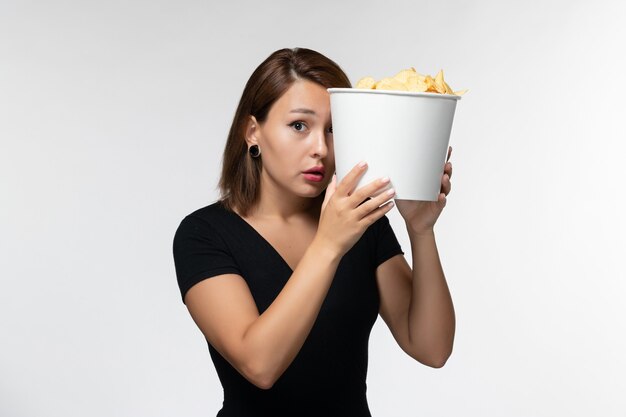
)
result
[(420, 216)]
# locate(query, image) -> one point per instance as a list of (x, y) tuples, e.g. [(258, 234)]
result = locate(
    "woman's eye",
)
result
[(299, 126)]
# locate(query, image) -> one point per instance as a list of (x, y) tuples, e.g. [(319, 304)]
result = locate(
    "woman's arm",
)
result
[(276, 337), (416, 304), (431, 312), (261, 347)]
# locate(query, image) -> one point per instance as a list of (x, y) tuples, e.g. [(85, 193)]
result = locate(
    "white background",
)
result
[(113, 117)]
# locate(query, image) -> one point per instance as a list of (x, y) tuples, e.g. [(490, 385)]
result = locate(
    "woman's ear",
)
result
[(252, 131)]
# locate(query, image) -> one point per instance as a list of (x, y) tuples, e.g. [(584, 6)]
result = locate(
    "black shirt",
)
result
[(328, 376)]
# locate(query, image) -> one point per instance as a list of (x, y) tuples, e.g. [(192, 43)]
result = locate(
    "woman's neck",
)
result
[(287, 209)]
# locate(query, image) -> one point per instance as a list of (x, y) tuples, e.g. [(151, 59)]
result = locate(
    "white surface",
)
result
[(113, 117), (401, 135)]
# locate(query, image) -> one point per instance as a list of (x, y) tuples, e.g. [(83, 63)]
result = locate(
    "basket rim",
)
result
[(392, 92)]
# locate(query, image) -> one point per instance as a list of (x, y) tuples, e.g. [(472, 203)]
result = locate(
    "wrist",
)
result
[(420, 233), (325, 251)]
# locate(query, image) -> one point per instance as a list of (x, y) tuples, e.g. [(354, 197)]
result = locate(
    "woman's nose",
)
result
[(320, 148)]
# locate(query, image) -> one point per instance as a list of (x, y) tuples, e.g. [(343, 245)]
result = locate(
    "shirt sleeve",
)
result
[(387, 245), (199, 253)]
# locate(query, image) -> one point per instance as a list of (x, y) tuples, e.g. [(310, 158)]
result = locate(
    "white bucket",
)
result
[(401, 135)]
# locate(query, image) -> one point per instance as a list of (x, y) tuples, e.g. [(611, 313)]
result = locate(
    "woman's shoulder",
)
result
[(211, 211), (213, 225), (214, 216)]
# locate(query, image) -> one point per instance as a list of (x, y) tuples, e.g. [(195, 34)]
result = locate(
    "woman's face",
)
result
[(297, 137)]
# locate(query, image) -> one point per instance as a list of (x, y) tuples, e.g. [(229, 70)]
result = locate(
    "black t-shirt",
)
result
[(328, 376)]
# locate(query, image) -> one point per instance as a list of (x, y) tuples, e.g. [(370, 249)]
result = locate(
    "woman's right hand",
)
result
[(343, 218)]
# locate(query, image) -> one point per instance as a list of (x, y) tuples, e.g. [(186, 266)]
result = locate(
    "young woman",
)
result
[(300, 266)]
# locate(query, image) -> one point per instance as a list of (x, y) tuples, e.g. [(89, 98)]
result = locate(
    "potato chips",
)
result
[(410, 80)]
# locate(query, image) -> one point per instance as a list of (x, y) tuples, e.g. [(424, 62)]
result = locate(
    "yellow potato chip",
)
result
[(416, 84), (440, 83), (404, 75), (366, 82), (410, 80), (430, 83), (390, 84)]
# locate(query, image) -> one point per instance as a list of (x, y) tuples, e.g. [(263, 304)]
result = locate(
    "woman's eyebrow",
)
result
[(302, 110)]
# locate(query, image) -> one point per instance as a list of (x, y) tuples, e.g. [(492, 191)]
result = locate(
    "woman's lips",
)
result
[(315, 177)]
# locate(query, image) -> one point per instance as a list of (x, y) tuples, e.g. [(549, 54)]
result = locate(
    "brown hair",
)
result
[(241, 174)]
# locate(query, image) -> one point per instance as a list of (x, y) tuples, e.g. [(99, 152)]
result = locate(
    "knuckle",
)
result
[(386, 196), (370, 220), (360, 196)]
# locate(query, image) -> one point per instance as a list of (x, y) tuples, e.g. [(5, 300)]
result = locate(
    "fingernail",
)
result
[(362, 164), (384, 180), (391, 191)]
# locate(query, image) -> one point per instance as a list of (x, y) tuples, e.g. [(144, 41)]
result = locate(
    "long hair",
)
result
[(241, 175)]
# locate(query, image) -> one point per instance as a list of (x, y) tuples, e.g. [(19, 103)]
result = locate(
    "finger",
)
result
[(377, 213), (369, 190), (446, 184), (441, 200), (349, 182), (373, 203), (449, 153), (448, 169)]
